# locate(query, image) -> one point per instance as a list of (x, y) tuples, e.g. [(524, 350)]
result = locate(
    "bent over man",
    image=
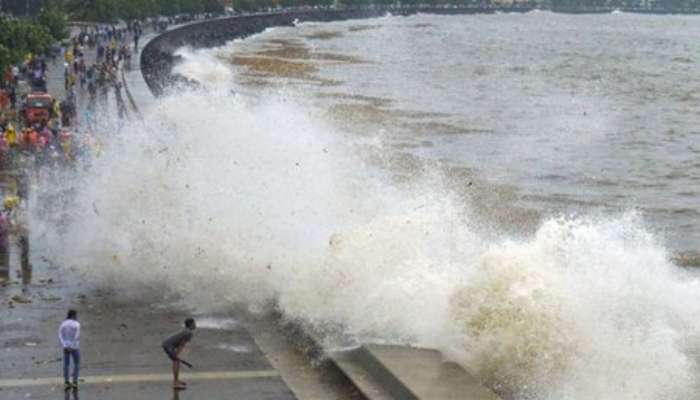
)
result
[(174, 345)]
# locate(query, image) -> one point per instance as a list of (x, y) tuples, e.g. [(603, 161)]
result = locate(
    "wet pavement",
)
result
[(269, 388), (120, 347), (235, 355)]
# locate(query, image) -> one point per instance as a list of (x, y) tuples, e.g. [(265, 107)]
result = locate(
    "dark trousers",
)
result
[(67, 355)]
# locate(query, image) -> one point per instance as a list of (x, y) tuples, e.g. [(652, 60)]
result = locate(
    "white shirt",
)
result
[(69, 334)]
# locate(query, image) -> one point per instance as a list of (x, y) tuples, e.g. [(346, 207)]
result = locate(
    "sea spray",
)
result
[(225, 199), (202, 69), (585, 309)]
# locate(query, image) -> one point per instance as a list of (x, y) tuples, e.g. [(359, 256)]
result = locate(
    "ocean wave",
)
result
[(225, 199)]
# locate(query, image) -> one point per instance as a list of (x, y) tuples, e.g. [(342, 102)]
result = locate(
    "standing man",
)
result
[(174, 345), (69, 335)]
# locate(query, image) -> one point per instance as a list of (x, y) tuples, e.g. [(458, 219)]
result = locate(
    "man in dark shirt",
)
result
[(174, 345)]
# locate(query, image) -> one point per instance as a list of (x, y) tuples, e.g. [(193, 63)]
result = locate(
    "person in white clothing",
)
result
[(69, 335)]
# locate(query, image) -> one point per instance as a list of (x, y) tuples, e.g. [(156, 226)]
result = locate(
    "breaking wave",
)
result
[(229, 199)]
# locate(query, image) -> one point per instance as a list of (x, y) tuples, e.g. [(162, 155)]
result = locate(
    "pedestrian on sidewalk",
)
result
[(69, 335), (13, 96), (174, 345)]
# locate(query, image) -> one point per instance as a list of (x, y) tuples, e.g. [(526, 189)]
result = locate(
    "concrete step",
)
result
[(411, 373), (391, 372), (351, 364)]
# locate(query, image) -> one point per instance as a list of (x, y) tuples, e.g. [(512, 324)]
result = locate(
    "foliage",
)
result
[(128, 10), (213, 7), (55, 21), (22, 7), (21, 37), (5, 57), (92, 10)]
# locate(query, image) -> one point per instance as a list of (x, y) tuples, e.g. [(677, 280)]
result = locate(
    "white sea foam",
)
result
[(226, 200), (201, 68)]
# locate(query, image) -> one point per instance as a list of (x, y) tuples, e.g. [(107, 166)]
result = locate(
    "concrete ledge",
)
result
[(412, 373), (386, 372), (350, 364), (389, 381)]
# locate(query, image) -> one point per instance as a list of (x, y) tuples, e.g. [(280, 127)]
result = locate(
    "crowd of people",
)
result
[(45, 142), (91, 62), (112, 49)]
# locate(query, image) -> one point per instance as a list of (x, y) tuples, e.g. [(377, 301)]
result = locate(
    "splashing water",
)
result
[(227, 199), (586, 309)]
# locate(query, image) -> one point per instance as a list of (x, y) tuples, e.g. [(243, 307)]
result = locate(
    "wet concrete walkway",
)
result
[(120, 349), (235, 355)]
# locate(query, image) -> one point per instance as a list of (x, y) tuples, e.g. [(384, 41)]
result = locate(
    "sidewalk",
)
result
[(120, 348)]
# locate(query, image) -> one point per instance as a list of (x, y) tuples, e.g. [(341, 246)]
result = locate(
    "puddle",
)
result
[(234, 348), (217, 323)]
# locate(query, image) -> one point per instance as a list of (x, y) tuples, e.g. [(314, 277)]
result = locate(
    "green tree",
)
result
[(20, 37), (22, 7), (213, 6), (92, 10), (168, 7), (191, 6), (5, 58), (55, 21)]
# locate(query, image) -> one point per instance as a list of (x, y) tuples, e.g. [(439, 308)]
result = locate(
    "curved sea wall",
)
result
[(158, 58)]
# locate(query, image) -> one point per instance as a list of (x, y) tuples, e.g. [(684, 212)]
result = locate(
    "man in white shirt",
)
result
[(69, 335)]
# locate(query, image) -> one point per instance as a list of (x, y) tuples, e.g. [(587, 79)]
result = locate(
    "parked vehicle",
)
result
[(37, 108)]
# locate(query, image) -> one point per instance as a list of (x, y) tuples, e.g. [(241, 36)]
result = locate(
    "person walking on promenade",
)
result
[(69, 335), (13, 96), (174, 345)]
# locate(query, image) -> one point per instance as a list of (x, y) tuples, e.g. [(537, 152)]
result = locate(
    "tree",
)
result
[(92, 10), (22, 7), (21, 37), (55, 21), (213, 6), (5, 58), (191, 6), (167, 7)]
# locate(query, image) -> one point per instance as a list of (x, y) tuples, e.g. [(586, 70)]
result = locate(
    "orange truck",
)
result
[(37, 108)]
